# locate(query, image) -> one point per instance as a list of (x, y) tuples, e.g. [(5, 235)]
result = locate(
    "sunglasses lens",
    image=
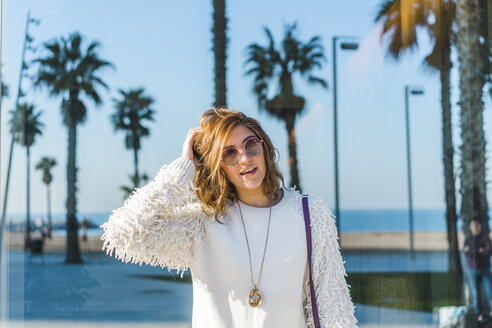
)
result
[(252, 147), (230, 156)]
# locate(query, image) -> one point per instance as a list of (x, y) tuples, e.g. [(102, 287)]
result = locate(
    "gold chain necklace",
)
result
[(255, 296)]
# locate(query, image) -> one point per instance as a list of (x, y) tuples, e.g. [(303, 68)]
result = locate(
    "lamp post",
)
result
[(28, 40), (4, 289), (416, 92), (344, 46)]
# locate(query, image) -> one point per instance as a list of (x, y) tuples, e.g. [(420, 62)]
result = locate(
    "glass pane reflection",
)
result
[(393, 134)]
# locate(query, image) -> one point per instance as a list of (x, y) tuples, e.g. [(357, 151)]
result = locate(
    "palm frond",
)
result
[(401, 22), (26, 124), (66, 69), (317, 80), (384, 9), (46, 163), (131, 110)]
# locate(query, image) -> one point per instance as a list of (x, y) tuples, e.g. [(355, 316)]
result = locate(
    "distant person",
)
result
[(84, 225), (478, 249), (44, 232), (220, 211)]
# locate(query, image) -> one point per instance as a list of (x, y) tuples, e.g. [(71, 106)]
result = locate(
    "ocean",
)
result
[(382, 220)]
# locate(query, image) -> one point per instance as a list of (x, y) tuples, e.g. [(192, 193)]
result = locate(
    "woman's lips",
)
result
[(249, 173)]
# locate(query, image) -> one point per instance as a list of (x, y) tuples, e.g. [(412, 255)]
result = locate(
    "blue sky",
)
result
[(165, 47)]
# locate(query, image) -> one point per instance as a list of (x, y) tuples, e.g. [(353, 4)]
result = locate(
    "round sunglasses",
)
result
[(252, 146)]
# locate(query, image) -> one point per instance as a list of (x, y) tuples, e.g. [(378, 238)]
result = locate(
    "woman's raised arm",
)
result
[(160, 222)]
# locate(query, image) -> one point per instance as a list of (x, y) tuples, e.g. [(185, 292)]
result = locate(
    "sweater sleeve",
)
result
[(160, 222), (335, 306)]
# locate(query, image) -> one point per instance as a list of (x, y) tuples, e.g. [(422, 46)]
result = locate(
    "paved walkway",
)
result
[(106, 293), (75, 324), (373, 316)]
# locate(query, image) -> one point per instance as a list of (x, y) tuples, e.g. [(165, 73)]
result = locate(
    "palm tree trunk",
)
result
[(50, 223), (449, 179), (27, 230), (135, 159), (72, 250), (471, 71), (294, 172), (219, 46)]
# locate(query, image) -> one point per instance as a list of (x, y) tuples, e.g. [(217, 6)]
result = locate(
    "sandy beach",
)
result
[(15, 241), (388, 241), (357, 241)]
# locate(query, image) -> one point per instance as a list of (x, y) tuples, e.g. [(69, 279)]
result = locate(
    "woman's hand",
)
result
[(188, 145)]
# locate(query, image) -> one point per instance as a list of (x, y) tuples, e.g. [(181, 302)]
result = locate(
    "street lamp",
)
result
[(413, 92), (4, 289), (28, 40), (345, 46)]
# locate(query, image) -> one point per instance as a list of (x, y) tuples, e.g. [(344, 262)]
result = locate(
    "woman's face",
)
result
[(248, 173), (475, 228)]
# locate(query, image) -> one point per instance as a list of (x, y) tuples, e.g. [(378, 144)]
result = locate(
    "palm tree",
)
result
[(71, 72), (26, 127), (131, 110), (473, 60), (45, 164), (219, 31), (401, 20), (267, 64), (4, 91), (487, 26)]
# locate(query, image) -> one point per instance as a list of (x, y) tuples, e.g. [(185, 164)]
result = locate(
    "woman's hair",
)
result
[(215, 190)]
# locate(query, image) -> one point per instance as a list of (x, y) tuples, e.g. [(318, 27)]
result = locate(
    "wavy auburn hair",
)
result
[(215, 190)]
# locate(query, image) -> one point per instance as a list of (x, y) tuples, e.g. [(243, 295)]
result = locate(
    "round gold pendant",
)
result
[(254, 297)]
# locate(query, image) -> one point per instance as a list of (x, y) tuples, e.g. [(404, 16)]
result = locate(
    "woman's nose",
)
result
[(243, 156)]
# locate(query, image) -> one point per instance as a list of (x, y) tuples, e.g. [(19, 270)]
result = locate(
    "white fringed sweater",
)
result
[(163, 224)]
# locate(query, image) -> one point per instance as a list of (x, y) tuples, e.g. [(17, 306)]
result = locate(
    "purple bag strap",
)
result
[(307, 222)]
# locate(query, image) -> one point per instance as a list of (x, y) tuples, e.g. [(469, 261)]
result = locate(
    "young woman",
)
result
[(219, 210)]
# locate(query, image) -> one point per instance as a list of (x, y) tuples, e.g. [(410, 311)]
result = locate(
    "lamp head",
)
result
[(349, 45), (417, 92)]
